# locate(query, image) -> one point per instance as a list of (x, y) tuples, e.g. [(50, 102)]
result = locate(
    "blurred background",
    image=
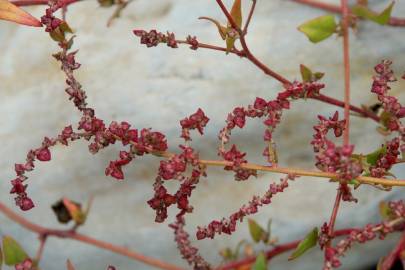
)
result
[(158, 87)]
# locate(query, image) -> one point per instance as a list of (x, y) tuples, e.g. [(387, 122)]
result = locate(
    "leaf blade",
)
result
[(380, 18), (307, 243), (256, 231), (319, 29), (13, 252), (261, 262)]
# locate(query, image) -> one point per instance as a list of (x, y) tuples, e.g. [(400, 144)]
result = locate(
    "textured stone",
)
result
[(158, 87)]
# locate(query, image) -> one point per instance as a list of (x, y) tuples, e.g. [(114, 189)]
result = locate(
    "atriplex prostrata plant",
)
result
[(339, 163)]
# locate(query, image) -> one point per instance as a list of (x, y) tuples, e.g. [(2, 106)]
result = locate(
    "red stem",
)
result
[(335, 210), (44, 232), (394, 254), (336, 9), (339, 103), (346, 61)]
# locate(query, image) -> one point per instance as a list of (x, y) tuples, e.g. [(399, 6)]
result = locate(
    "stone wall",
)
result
[(158, 87)]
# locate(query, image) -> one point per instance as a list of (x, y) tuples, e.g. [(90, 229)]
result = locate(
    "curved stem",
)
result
[(247, 54), (45, 232), (341, 104)]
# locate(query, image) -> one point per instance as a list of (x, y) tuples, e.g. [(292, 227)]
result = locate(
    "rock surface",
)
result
[(158, 87)]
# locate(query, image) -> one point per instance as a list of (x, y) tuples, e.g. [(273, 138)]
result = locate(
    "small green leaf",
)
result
[(308, 242), (306, 73), (236, 13), (386, 212), (381, 18), (318, 75), (261, 262), (374, 156), (256, 231), (354, 182), (230, 42), (319, 29), (13, 252)]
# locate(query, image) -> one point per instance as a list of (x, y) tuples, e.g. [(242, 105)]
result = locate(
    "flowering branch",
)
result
[(337, 163)]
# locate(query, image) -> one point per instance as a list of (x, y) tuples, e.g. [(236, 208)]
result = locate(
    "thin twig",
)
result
[(251, 12), (346, 132)]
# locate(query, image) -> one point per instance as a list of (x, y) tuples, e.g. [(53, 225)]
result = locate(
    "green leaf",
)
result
[(261, 262), (308, 242), (374, 156), (236, 13), (318, 75), (230, 42), (319, 29), (386, 213), (13, 252), (381, 18), (256, 231), (354, 182), (306, 73)]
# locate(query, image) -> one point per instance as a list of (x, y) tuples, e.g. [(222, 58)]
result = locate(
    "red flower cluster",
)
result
[(394, 110), (237, 159), (153, 38), (198, 121), (228, 226), (386, 159), (271, 110), (115, 167), (187, 251), (161, 201), (193, 42), (18, 187), (332, 158), (174, 168)]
